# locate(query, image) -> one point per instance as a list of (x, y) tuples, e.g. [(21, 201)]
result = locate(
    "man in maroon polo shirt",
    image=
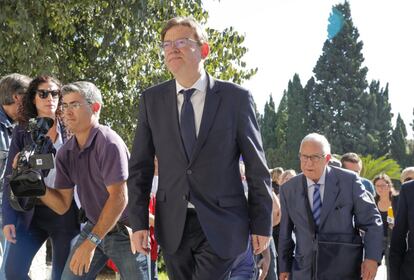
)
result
[(96, 161)]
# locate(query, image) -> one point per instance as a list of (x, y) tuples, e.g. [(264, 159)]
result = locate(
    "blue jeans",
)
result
[(115, 246), (244, 267), (45, 224), (5, 248)]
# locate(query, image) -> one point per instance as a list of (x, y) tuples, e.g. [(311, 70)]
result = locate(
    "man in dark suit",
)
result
[(326, 207), (198, 127), (402, 241)]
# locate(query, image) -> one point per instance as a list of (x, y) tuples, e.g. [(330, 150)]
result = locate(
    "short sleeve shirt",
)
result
[(103, 161)]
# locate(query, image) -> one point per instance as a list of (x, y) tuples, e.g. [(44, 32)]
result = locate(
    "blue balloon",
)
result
[(336, 22)]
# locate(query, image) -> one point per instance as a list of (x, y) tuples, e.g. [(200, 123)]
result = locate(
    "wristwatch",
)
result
[(94, 238)]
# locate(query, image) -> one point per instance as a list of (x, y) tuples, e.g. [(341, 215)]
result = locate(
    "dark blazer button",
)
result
[(189, 172)]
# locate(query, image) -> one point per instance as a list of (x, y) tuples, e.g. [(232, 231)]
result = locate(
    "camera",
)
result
[(33, 162)]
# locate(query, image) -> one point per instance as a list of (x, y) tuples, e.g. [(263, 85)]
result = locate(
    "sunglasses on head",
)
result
[(44, 93)]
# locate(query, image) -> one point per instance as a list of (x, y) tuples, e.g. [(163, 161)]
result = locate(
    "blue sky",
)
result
[(286, 37)]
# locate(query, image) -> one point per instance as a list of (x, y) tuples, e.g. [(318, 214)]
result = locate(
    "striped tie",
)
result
[(317, 205)]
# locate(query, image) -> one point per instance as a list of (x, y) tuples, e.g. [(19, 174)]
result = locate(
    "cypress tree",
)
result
[(269, 125), (296, 127), (399, 142), (338, 97)]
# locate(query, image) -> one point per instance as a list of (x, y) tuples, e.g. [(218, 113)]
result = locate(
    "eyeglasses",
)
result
[(312, 158), (44, 93), (73, 106), (179, 43)]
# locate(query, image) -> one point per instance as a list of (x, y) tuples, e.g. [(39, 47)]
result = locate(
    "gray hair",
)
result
[(13, 84), (318, 138), (86, 89)]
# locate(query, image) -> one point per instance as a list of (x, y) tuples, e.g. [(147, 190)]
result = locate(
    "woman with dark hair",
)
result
[(27, 231), (386, 197)]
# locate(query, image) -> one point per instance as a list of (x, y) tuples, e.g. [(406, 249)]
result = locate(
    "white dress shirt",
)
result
[(197, 99)]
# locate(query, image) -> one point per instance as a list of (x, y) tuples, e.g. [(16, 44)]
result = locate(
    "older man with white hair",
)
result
[(326, 207)]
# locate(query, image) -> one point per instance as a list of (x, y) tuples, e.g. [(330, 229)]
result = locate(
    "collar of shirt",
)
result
[(73, 143), (200, 85), (321, 181)]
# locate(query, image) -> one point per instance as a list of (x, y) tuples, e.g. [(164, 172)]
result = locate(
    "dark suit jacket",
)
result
[(345, 202), (401, 255), (211, 179)]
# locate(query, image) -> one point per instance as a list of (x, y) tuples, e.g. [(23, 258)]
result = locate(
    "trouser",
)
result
[(45, 224), (115, 246), (194, 258)]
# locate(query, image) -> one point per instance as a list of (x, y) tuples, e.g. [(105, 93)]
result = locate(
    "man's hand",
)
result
[(284, 276), (81, 259), (369, 269), (9, 232), (264, 264), (260, 243), (139, 242)]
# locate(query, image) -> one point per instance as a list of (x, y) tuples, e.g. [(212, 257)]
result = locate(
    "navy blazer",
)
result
[(402, 241), (20, 139), (346, 207), (211, 179)]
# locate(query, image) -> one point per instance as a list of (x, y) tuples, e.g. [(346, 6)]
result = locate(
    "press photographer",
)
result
[(35, 141)]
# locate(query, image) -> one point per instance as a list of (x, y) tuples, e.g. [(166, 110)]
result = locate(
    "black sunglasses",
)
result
[(44, 93)]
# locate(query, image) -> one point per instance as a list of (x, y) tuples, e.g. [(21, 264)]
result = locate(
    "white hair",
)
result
[(407, 172), (318, 138)]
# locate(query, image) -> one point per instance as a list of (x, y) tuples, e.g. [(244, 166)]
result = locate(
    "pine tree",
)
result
[(338, 97), (296, 127), (399, 142)]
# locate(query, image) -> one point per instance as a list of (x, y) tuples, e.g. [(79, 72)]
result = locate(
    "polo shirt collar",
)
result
[(73, 143)]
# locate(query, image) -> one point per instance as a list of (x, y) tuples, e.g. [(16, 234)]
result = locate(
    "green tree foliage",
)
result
[(412, 125), (268, 125), (296, 122), (399, 142), (339, 93), (277, 156), (114, 44), (378, 122), (371, 167)]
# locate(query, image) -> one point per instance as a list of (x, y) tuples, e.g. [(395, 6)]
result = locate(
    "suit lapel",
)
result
[(330, 194), (172, 115), (211, 105), (307, 206)]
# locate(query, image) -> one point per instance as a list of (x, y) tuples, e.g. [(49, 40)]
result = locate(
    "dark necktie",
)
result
[(187, 122), (317, 205)]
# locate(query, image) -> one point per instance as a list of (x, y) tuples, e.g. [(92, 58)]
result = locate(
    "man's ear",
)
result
[(15, 98), (205, 50), (96, 107)]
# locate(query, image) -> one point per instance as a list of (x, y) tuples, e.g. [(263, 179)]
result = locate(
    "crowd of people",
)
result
[(195, 185)]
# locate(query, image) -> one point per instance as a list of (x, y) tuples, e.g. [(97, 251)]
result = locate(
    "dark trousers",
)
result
[(45, 224), (195, 259)]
